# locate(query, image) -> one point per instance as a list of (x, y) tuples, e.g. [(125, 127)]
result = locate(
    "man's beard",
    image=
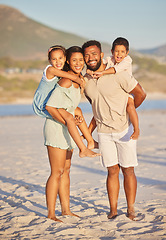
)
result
[(94, 68)]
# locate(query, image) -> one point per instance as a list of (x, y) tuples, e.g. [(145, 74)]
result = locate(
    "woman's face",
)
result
[(76, 62)]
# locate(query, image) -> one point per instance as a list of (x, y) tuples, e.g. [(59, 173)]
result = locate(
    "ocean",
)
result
[(26, 109)]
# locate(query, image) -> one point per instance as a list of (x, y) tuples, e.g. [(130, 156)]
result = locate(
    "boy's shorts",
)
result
[(118, 148)]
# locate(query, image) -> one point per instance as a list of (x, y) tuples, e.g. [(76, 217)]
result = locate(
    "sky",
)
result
[(142, 22)]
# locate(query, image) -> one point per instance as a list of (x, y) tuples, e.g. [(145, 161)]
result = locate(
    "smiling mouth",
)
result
[(92, 63)]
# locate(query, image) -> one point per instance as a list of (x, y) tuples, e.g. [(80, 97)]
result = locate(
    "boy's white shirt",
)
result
[(124, 65)]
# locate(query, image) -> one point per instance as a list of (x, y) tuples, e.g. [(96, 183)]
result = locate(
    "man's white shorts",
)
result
[(118, 148)]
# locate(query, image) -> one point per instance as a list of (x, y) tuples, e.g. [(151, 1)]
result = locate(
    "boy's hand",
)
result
[(89, 72), (94, 74), (97, 74)]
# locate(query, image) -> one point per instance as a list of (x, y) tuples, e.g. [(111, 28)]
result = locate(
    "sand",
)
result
[(24, 170)]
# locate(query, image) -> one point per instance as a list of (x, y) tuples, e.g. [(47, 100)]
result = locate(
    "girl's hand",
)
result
[(78, 119)]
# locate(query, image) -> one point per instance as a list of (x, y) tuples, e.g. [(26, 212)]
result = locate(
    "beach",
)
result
[(24, 169)]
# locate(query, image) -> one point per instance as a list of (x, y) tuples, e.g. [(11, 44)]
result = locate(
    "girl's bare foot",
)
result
[(92, 144), (55, 219), (88, 153)]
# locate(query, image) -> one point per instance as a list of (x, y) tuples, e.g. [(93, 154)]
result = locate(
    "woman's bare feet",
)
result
[(92, 144), (88, 153), (70, 214)]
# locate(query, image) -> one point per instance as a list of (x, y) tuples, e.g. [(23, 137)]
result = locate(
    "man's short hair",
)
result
[(91, 43), (120, 41)]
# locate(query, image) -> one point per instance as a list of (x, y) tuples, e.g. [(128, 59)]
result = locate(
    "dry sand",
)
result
[(24, 170)]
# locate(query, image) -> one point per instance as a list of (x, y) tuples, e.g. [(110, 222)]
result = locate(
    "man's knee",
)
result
[(128, 171), (113, 170)]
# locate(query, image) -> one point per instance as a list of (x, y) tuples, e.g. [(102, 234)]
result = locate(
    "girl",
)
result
[(64, 99), (57, 58)]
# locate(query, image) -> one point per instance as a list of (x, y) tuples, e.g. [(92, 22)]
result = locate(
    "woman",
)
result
[(65, 97)]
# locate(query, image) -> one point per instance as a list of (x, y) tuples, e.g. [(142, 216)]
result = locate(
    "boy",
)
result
[(118, 62)]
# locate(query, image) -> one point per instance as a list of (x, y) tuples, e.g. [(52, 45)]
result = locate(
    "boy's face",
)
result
[(119, 53)]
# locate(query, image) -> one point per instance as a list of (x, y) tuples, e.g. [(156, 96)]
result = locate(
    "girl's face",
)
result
[(57, 59), (76, 62), (119, 53)]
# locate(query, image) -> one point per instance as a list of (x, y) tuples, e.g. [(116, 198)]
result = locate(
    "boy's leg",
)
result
[(133, 117), (85, 131), (70, 122)]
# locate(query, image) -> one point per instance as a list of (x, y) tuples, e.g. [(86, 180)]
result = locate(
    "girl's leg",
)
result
[(64, 187), (84, 151), (85, 131), (133, 117), (57, 159)]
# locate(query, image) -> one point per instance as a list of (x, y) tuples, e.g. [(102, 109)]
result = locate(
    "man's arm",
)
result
[(139, 95)]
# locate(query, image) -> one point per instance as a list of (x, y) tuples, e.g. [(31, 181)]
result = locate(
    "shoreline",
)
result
[(27, 101)]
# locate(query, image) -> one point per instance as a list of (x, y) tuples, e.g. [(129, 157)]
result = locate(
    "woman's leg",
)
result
[(113, 189), (64, 187), (84, 151), (85, 131), (57, 159)]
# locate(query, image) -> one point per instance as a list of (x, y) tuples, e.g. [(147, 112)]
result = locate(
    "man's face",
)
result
[(93, 57)]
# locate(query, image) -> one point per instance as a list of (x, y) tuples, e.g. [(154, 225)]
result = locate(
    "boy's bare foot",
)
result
[(88, 153), (55, 219), (131, 215), (112, 215), (135, 134), (93, 144)]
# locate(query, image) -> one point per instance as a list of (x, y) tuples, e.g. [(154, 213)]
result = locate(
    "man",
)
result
[(108, 96)]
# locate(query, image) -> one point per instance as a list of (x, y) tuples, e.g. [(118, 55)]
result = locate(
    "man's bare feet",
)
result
[(92, 144), (88, 153), (55, 219), (131, 214), (112, 215)]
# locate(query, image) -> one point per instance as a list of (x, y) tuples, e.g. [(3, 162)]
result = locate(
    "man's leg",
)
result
[(113, 189), (130, 187)]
